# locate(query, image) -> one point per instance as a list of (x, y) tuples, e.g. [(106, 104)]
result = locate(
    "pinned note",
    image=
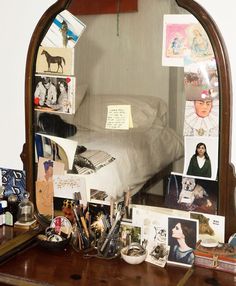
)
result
[(119, 117)]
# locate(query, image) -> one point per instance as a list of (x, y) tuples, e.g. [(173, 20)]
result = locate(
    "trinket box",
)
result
[(222, 257)]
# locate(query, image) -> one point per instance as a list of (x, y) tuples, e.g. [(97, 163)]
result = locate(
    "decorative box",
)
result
[(221, 257)]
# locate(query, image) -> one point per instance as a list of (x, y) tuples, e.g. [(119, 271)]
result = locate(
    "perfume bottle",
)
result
[(25, 210)]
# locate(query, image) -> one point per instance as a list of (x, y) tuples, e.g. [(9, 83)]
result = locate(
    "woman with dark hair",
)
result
[(63, 98), (200, 164), (185, 235)]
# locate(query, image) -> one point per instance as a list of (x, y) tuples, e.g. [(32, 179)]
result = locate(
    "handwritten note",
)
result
[(119, 117)]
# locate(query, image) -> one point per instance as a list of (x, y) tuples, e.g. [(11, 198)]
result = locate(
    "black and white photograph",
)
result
[(54, 94)]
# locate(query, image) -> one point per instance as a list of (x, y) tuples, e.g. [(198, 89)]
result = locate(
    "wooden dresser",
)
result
[(38, 266)]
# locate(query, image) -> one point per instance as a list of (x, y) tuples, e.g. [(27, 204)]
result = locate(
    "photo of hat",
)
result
[(200, 92)]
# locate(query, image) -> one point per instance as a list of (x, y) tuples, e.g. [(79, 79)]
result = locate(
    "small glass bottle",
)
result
[(4, 207), (25, 210)]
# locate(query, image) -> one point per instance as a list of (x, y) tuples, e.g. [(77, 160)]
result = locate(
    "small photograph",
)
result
[(13, 182), (99, 218), (192, 194), (64, 207), (159, 254), (64, 32), (56, 61), (211, 227), (182, 239), (129, 234), (98, 195), (201, 156), (54, 94)]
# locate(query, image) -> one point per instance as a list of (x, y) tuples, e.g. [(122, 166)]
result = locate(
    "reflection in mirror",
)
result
[(113, 107), (130, 105)]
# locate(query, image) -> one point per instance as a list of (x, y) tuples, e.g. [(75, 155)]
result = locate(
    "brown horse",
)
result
[(54, 60)]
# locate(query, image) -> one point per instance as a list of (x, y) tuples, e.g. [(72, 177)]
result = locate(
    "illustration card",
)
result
[(64, 32), (210, 226), (55, 61), (182, 34), (182, 239), (65, 186)]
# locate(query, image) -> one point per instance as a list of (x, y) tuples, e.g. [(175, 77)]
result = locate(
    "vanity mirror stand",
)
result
[(30, 264)]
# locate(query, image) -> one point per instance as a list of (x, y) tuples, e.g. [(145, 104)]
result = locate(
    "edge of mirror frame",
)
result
[(226, 173), (226, 181), (23, 240)]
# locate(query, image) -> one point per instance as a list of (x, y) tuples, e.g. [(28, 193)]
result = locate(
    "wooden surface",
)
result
[(38, 266), (88, 7)]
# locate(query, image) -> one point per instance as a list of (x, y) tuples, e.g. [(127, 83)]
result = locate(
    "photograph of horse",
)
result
[(58, 60)]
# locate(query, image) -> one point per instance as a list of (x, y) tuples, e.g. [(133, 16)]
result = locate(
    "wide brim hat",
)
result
[(200, 92)]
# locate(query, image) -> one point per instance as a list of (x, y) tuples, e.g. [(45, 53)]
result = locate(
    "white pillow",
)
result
[(145, 110)]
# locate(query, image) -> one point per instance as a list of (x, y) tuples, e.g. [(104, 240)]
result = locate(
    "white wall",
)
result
[(18, 24), (18, 20)]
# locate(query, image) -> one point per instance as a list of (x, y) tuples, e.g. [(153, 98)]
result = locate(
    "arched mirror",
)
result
[(130, 106)]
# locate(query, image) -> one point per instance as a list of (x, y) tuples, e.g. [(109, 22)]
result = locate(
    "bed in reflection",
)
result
[(114, 161)]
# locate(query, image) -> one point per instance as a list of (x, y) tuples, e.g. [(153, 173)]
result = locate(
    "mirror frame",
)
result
[(227, 180)]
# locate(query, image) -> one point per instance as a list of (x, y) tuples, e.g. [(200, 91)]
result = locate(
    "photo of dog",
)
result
[(191, 191), (191, 194)]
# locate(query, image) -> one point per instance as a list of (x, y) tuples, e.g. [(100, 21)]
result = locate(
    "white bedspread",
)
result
[(138, 156)]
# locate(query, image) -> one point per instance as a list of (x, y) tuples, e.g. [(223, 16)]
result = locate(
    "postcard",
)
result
[(57, 61), (65, 186), (48, 168), (54, 93), (183, 35), (64, 32), (188, 193), (14, 182), (182, 239), (210, 226)]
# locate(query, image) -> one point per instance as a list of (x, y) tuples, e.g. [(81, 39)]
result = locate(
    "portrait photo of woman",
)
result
[(182, 239), (201, 156), (200, 163)]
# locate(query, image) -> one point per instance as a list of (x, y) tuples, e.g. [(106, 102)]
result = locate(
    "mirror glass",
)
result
[(115, 108)]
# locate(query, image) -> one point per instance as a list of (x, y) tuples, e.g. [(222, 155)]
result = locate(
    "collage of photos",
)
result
[(55, 87)]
